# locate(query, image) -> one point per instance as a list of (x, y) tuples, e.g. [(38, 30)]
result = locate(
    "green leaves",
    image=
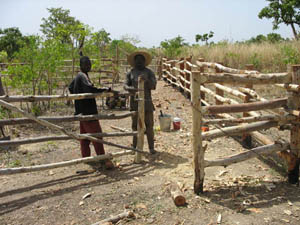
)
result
[(282, 11), (173, 47), (10, 41), (204, 37)]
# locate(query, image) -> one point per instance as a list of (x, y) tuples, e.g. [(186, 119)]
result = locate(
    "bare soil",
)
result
[(251, 192)]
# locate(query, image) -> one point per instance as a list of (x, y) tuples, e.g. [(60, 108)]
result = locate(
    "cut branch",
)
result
[(61, 129), (54, 97), (60, 119), (61, 138), (237, 79), (9, 171), (235, 130), (262, 150), (245, 107)]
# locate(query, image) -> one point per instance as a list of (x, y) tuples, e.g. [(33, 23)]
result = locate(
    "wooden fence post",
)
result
[(219, 91), (294, 104), (202, 70), (197, 133), (247, 138), (141, 120)]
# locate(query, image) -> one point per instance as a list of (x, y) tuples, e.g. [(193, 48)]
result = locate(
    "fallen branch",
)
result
[(119, 128), (116, 218)]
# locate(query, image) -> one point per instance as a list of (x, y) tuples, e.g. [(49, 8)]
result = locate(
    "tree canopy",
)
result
[(10, 41), (283, 11)]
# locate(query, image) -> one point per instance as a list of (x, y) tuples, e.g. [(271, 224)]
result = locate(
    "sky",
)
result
[(151, 21)]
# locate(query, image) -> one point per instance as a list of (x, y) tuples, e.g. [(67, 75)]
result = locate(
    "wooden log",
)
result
[(61, 129), (225, 69), (116, 218), (235, 130), (259, 79), (119, 128), (245, 107), (218, 97), (197, 134), (54, 97), (59, 119), (255, 152), (61, 138), (230, 91), (294, 104), (289, 87), (9, 171), (177, 195), (251, 119), (141, 120)]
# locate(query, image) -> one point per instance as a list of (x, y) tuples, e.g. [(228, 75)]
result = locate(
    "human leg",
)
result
[(149, 130), (134, 128), (84, 144)]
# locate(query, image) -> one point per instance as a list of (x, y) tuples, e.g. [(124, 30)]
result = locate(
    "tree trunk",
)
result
[(294, 31)]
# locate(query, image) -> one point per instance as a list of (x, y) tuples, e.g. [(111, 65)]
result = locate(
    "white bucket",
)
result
[(165, 122)]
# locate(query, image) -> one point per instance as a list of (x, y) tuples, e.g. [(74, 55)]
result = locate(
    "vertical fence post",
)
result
[(159, 69), (202, 70), (219, 91), (141, 120), (197, 133), (294, 104), (247, 138)]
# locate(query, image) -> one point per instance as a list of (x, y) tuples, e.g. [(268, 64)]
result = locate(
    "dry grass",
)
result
[(265, 57)]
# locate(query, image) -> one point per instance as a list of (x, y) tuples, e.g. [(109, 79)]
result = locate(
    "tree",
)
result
[(283, 11), (173, 47), (204, 37), (101, 39), (61, 26), (10, 41), (273, 37)]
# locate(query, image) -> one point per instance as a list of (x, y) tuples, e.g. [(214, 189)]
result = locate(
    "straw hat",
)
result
[(147, 56)]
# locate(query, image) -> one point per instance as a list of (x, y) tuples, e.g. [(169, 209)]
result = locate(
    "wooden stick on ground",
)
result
[(61, 129), (116, 218), (119, 128), (177, 195)]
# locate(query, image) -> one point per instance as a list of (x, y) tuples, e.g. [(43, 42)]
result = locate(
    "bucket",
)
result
[(176, 123), (165, 122)]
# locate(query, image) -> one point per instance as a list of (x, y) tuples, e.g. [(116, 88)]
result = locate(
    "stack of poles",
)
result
[(223, 75), (70, 135)]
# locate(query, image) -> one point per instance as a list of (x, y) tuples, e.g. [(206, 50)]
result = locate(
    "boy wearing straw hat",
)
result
[(139, 60)]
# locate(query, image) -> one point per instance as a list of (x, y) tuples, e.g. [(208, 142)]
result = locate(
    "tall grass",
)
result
[(266, 57)]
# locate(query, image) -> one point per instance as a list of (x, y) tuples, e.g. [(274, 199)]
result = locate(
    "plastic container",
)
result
[(165, 122), (176, 123)]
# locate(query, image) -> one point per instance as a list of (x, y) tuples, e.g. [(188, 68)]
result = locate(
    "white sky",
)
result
[(152, 21)]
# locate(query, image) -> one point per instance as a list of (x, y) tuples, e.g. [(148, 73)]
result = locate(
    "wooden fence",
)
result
[(205, 83), (50, 123)]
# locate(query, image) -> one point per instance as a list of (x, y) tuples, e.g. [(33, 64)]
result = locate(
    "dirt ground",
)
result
[(251, 192)]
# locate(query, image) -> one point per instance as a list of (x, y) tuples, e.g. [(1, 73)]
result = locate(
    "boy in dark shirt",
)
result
[(82, 84)]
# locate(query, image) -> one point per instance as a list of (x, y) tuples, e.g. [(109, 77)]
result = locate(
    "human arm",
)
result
[(150, 80), (128, 86)]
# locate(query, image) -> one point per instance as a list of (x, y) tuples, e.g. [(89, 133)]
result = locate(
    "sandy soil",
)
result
[(251, 192)]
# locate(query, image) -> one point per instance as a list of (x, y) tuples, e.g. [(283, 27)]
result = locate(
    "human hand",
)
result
[(144, 77)]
